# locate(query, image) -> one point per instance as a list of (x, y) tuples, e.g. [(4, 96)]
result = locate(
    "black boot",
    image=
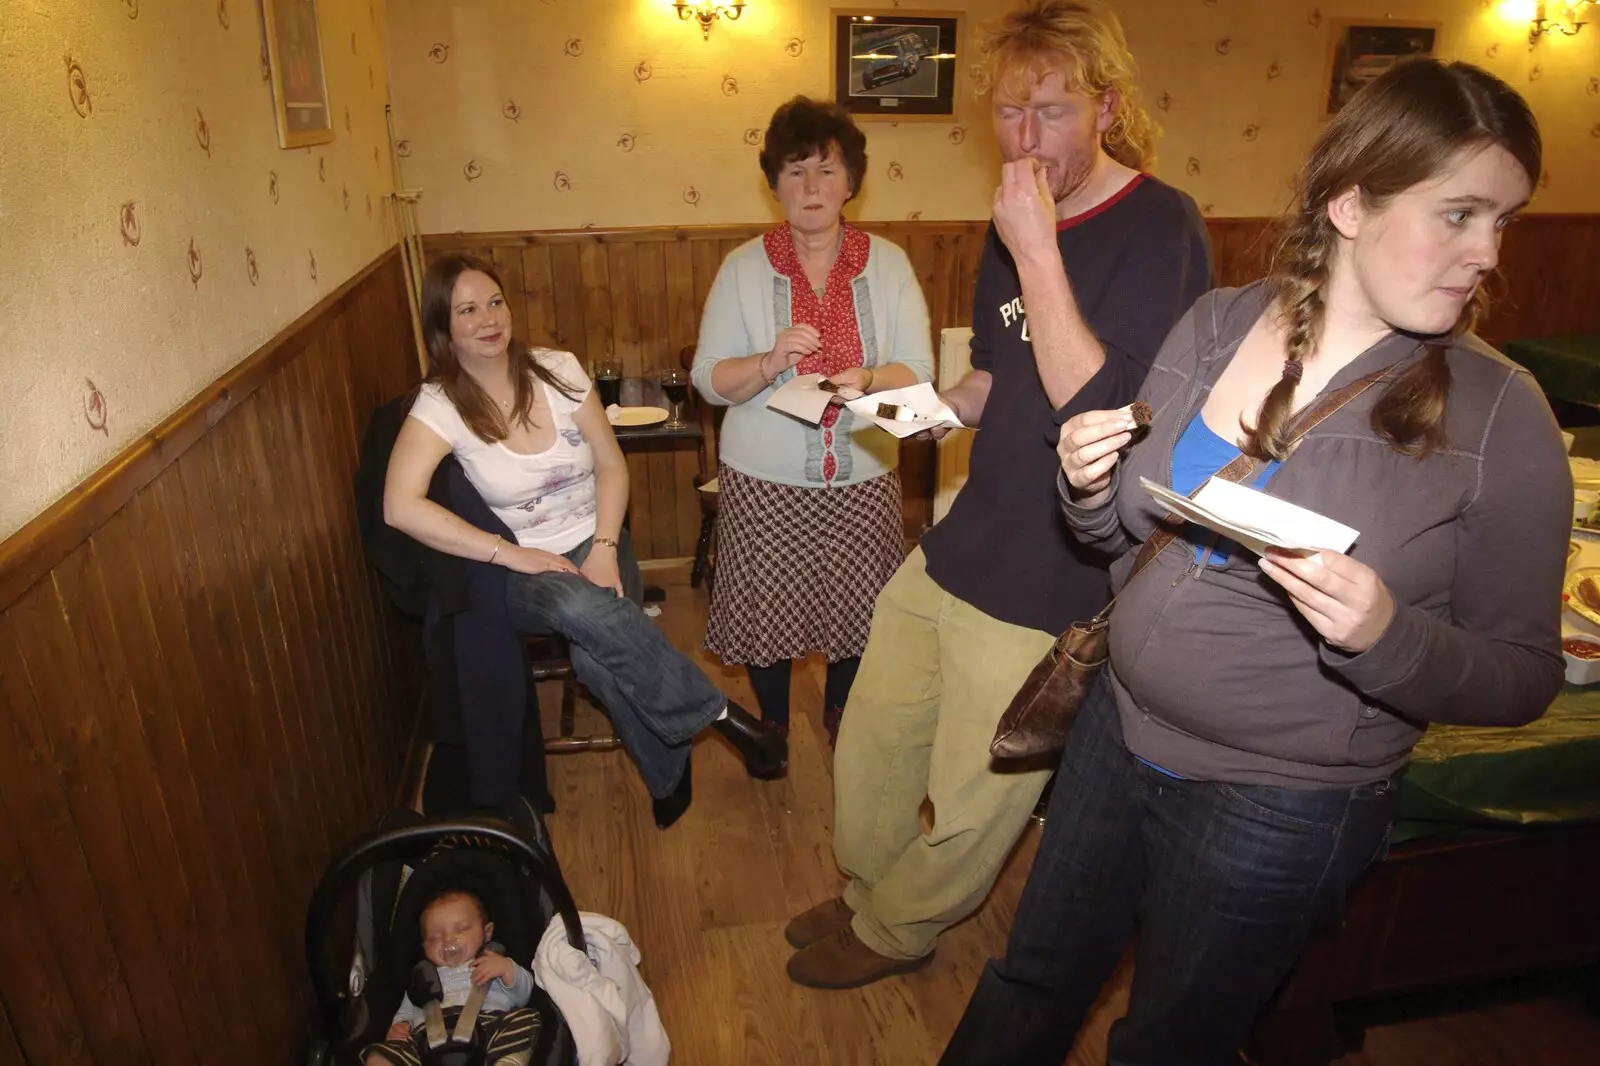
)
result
[(670, 808), (765, 751)]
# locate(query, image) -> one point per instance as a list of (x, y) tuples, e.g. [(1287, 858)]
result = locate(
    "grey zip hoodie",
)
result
[(1216, 674)]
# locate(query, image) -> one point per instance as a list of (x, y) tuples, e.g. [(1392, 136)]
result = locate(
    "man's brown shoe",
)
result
[(821, 921), (841, 960)]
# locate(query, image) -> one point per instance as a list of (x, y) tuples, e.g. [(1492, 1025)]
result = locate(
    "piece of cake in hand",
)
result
[(1139, 414), (896, 412)]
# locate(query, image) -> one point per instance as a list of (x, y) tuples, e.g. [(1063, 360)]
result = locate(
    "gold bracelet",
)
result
[(497, 542), (607, 541)]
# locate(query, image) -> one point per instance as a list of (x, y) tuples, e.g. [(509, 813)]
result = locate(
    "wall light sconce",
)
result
[(1561, 16), (707, 12)]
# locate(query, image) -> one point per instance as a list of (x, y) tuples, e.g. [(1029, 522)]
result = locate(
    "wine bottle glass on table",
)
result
[(675, 383), (608, 379)]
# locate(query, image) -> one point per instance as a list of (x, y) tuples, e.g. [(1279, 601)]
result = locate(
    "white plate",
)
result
[(637, 416)]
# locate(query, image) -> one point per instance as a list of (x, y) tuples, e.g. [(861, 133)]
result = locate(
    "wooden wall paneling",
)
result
[(922, 250), (594, 274), (683, 329), (641, 516), (665, 466), (84, 726), (972, 244), (10, 1050), (622, 286), (707, 257), (1241, 249), (247, 619), (662, 469), (289, 566), (69, 908), (274, 614), (377, 695), (685, 467), (507, 259), (625, 307), (281, 423), (313, 448), (683, 310), (45, 1025), (656, 350), (206, 753), (327, 449), (209, 704), (364, 385), (569, 300), (111, 714), (540, 294), (72, 724), (184, 642)]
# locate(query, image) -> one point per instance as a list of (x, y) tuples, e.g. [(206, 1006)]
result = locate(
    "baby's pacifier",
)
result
[(453, 953)]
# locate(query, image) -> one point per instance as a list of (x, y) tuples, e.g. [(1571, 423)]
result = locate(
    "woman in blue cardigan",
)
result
[(809, 528)]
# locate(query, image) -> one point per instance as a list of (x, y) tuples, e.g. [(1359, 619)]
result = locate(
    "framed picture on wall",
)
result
[(299, 87), (895, 64), (1362, 51)]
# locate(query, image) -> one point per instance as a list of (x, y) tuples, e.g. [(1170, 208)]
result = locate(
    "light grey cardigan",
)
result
[(749, 304)]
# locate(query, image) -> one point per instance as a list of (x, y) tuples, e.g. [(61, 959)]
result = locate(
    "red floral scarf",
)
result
[(834, 316)]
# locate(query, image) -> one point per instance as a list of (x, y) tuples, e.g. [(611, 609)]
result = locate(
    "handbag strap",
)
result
[(1172, 523)]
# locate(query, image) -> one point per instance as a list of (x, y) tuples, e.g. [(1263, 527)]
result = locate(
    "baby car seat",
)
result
[(363, 944)]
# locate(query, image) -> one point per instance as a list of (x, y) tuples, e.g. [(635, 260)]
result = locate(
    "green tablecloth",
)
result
[(1566, 367), (1544, 773)]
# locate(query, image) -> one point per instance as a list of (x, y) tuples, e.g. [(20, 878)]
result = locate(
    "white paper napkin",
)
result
[(1256, 520), (921, 400), (803, 397)]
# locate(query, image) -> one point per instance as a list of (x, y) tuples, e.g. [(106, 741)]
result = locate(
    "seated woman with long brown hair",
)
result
[(532, 439), (1232, 771)]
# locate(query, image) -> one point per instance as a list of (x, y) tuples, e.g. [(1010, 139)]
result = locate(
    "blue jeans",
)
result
[(656, 698), (1223, 883)]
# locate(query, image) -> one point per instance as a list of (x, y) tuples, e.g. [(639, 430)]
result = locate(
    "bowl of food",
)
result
[(1583, 659)]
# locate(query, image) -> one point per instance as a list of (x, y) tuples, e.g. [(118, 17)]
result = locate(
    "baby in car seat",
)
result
[(455, 931)]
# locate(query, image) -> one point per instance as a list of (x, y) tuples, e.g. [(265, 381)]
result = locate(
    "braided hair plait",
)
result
[(1299, 277)]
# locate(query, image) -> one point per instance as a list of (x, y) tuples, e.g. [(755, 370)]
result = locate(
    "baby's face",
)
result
[(453, 931)]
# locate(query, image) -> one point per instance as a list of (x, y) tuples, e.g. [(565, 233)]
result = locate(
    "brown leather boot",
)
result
[(824, 919), (841, 960)]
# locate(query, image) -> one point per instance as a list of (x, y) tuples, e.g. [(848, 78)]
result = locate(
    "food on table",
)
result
[(1588, 593), (1579, 648)]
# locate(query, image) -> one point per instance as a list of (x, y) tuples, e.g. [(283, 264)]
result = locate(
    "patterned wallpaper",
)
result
[(154, 232), (533, 114)]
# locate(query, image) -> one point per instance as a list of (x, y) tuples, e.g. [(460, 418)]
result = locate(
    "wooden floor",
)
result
[(707, 900)]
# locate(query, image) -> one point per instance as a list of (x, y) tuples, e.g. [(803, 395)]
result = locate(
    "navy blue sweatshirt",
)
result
[(1136, 264)]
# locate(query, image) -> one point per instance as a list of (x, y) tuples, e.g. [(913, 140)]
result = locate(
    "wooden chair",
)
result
[(705, 550), (549, 659)]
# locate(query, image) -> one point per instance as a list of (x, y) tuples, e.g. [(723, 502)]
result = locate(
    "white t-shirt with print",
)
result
[(547, 500)]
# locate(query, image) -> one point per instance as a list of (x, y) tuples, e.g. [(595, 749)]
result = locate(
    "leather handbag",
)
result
[(1042, 712)]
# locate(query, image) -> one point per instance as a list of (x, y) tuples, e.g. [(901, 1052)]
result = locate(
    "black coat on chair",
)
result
[(485, 714)]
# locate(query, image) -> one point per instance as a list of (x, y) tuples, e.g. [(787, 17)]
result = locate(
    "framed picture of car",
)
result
[(895, 64), (1362, 51)]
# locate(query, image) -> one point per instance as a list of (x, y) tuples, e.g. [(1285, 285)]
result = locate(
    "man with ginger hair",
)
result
[(1088, 263)]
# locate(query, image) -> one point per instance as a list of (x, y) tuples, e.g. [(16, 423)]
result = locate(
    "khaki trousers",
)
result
[(936, 676)]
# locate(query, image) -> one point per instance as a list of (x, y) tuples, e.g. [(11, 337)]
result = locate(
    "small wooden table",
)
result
[(646, 392)]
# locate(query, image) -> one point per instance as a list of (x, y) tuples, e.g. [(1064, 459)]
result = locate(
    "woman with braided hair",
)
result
[(1231, 771)]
